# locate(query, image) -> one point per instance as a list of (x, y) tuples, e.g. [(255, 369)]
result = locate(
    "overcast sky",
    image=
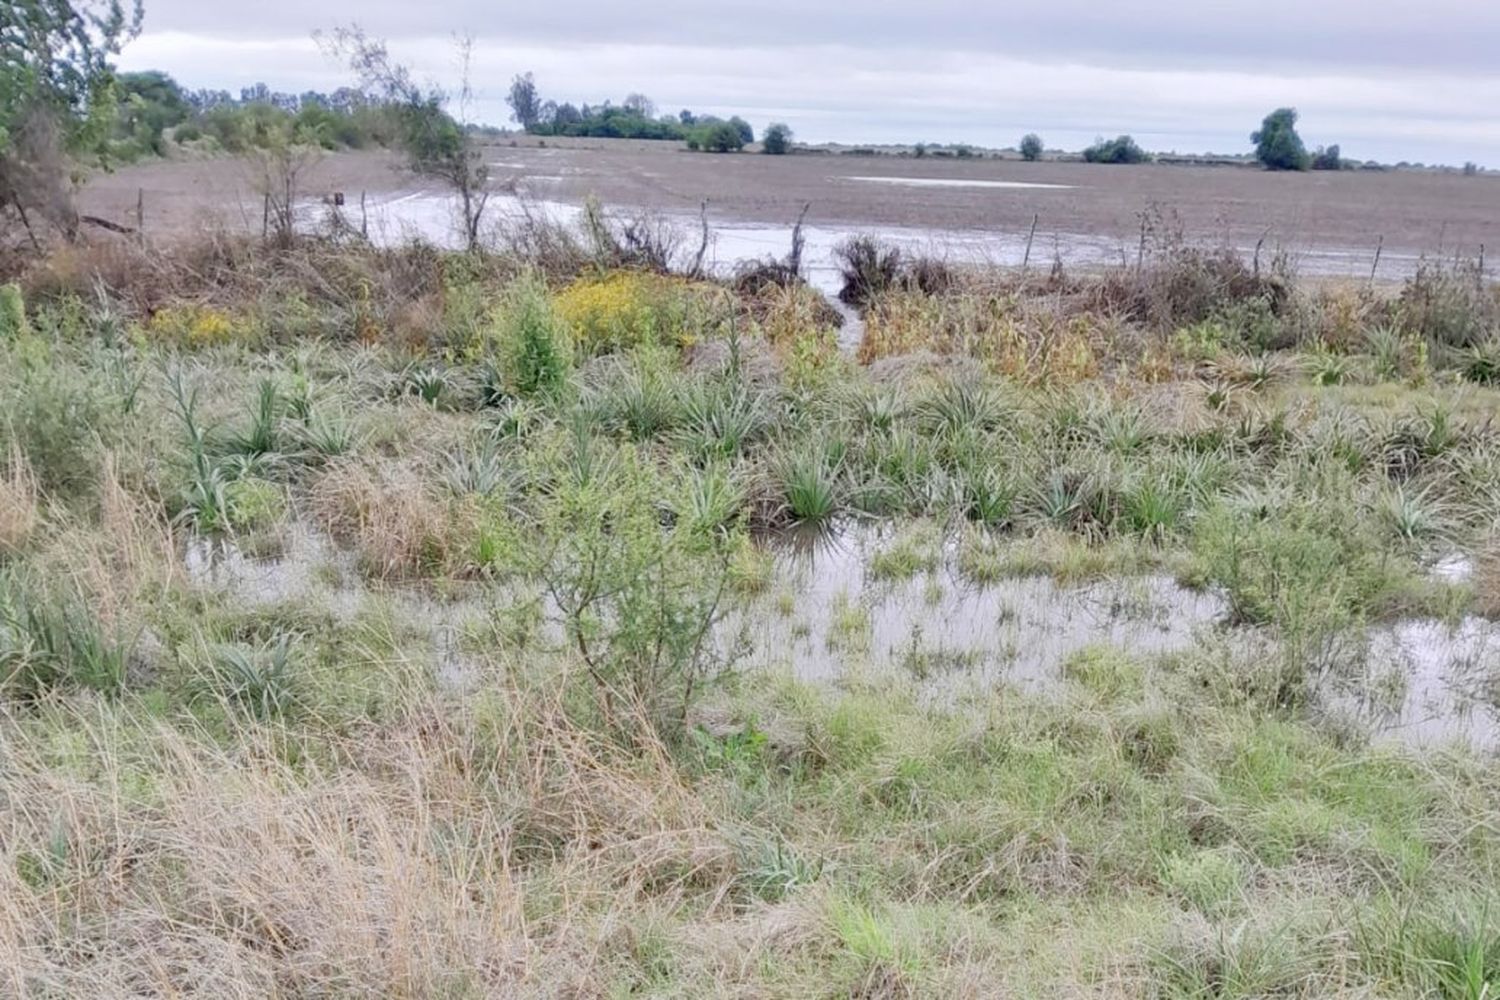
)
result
[(1386, 79)]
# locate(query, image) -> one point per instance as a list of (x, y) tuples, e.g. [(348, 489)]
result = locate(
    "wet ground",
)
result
[(1331, 223), (874, 598)]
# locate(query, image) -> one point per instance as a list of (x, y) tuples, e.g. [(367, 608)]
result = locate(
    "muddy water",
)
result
[(829, 615), (432, 217)]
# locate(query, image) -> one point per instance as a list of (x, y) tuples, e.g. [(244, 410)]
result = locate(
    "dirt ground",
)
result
[(1412, 212)]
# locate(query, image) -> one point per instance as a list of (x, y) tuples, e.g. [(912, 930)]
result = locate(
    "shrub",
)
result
[(636, 599), (719, 137), (192, 326), (1031, 147), (625, 309), (12, 313), (1277, 144), (533, 341), (1327, 158), (1122, 149), (778, 140)]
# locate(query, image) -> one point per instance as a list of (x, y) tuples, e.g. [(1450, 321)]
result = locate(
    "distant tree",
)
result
[(639, 105), (1122, 149), (1031, 147), (717, 137), (1277, 144), (747, 134), (57, 97), (1327, 158), (525, 104), (919, 150), (686, 117), (778, 139), (565, 115), (1471, 169), (150, 103)]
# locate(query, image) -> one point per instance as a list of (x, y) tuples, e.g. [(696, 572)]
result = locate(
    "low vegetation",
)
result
[(368, 624), (399, 621)]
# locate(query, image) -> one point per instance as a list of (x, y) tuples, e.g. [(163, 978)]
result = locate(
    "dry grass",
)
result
[(388, 512), (453, 853), (1487, 580), (19, 503)]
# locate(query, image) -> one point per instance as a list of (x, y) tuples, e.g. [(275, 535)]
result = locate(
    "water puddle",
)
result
[(833, 610), (875, 597), (953, 182), (1425, 683)]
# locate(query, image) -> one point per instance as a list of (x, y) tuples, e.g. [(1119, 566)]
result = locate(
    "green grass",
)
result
[(510, 760)]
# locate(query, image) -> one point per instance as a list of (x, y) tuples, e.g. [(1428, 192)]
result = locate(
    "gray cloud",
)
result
[(1386, 80), (1445, 35)]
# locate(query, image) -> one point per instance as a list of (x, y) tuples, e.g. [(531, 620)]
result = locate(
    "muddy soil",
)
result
[(1340, 214)]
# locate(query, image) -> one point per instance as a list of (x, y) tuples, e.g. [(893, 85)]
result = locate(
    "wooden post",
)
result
[(364, 218), (1379, 246), (265, 216), (1026, 260), (140, 215)]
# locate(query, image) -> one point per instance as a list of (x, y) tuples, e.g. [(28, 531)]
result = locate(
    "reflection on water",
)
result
[(1424, 682), (830, 613)]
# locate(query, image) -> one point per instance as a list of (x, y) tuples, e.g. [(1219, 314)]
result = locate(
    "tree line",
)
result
[(636, 117)]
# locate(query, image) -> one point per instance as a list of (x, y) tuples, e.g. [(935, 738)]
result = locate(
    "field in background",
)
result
[(1339, 216)]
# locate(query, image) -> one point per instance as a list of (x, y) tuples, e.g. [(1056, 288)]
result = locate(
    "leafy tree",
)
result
[(150, 103), (1277, 144), (57, 97), (525, 105), (1031, 147), (1328, 159), (747, 134), (717, 137), (1122, 149), (778, 139)]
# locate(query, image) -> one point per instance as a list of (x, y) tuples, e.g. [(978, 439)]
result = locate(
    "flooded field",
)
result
[(866, 600), (1085, 214)]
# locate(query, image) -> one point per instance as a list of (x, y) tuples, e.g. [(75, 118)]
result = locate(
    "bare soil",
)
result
[(1412, 212)]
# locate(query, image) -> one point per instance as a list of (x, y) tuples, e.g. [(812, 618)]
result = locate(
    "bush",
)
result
[(1031, 147), (534, 344), (12, 313), (636, 599), (1277, 144), (1122, 149), (625, 309), (720, 137), (1327, 159), (777, 140)]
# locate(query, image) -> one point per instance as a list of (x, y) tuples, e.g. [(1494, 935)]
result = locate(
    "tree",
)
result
[(1122, 149), (525, 105), (57, 97), (778, 139), (150, 103), (1328, 159), (1277, 144), (437, 144), (639, 105), (1031, 147), (717, 137), (747, 134)]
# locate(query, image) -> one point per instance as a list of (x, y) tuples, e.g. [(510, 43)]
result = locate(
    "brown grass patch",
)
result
[(398, 524), (19, 503)]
